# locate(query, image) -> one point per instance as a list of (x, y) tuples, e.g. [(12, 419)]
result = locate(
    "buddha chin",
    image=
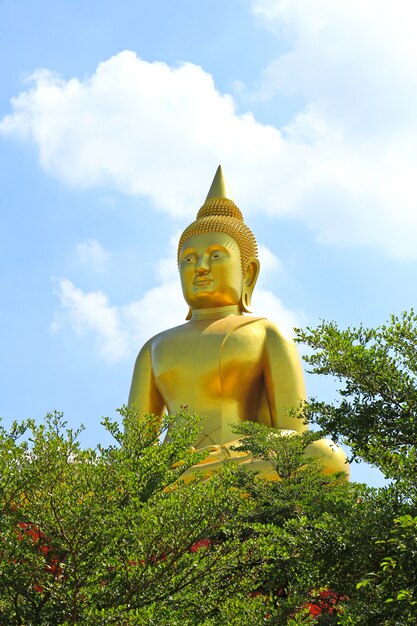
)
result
[(224, 364)]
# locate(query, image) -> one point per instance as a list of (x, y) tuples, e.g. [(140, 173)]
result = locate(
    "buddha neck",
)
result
[(215, 313)]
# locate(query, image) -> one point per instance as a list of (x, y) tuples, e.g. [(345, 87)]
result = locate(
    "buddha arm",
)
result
[(143, 390), (283, 379)]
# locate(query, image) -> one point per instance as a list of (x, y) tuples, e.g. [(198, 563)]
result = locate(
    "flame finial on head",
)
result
[(219, 187), (220, 214)]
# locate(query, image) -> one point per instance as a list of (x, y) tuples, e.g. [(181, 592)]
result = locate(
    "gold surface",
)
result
[(223, 365), (222, 215), (219, 187)]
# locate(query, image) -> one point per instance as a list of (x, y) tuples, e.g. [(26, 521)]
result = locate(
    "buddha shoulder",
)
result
[(281, 353), (172, 335), (270, 332), (275, 333), (182, 338)]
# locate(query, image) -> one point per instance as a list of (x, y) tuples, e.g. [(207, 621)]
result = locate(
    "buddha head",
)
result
[(217, 254)]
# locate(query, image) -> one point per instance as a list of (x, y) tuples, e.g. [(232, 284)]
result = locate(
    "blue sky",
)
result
[(113, 119)]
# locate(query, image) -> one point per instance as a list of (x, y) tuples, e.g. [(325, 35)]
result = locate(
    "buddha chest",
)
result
[(206, 364)]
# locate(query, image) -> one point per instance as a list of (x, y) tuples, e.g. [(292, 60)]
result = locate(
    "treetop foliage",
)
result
[(114, 535), (377, 411)]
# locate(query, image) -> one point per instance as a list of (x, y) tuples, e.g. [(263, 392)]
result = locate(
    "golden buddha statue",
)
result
[(223, 365)]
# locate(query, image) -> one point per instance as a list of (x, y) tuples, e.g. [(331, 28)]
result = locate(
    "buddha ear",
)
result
[(189, 314), (249, 281)]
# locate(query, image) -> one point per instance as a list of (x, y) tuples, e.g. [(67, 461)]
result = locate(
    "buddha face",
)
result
[(211, 271)]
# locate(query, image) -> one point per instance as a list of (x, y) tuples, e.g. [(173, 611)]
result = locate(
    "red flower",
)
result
[(325, 601), (201, 543), (314, 609), (40, 541)]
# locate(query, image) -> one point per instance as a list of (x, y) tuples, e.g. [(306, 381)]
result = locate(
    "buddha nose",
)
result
[(202, 266)]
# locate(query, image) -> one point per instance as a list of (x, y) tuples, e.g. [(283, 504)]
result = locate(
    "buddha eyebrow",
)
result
[(188, 251), (217, 247)]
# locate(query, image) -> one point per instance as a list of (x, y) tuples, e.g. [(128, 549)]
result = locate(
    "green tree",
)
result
[(377, 411), (113, 535), (377, 417), (320, 535), (110, 535)]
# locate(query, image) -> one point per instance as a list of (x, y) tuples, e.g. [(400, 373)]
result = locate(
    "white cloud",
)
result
[(120, 331), (355, 60), (92, 254), (91, 312), (354, 64), (266, 304), (345, 165), (269, 261), (166, 269)]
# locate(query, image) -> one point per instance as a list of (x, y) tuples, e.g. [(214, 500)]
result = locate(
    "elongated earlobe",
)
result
[(249, 282), (246, 300)]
